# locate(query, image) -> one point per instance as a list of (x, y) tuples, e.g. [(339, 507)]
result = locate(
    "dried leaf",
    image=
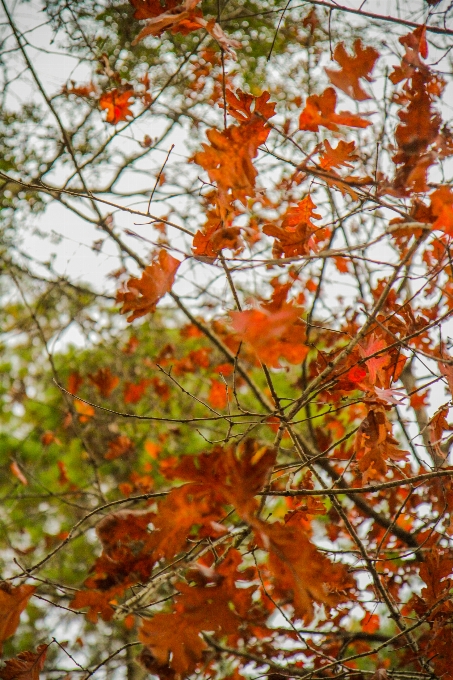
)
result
[(142, 295), (25, 666), (272, 335), (116, 103), (12, 603), (353, 68), (104, 381), (320, 111)]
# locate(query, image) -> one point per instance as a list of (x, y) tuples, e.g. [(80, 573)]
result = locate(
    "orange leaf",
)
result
[(118, 447), (295, 236), (218, 394), (375, 364), (375, 444), (352, 69), (301, 573), (17, 472), (337, 157), (228, 158), (220, 606), (235, 472), (85, 411), (142, 295), (148, 9), (117, 105), (25, 666), (98, 603), (133, 392), (75, 381), (320, 110), (239, 105), (104, 381), (12, 603), (152, 449), (272, 335), (184, 21), (79, 90)]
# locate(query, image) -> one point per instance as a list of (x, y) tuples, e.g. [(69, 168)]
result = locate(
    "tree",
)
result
[(229, 458)]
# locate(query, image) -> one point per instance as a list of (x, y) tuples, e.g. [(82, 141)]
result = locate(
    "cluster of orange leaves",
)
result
[(209, 599)]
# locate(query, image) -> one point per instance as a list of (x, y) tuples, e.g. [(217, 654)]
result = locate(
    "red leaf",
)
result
[(148, 9), (133, 392)]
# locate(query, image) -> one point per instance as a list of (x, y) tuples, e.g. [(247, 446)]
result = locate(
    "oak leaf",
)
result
[(228, 159), (375, 364), (12, 603), (98, 603), (337, 157), (353, 68), (25, 666), (116, 103), (375, 445), (174, 639), (272, 335), (104, 381), (148, 9), (295, 235), (236, 473), (118, 447), (320, 111), (183, 18), (244, 106), (142, 295), (301, 573)]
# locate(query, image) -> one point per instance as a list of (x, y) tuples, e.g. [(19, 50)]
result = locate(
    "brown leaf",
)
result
[(104, 381), (25, 666), (295, 235), (12, 603), (301, 573), (236, 473), (142, 295), (174, 639)]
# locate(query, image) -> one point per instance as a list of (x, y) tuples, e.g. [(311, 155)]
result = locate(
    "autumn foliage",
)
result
[(244, 469)]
